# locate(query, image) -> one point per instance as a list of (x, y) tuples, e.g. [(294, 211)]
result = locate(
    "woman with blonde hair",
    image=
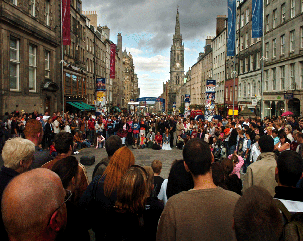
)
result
[(101, 193), (126, 215)]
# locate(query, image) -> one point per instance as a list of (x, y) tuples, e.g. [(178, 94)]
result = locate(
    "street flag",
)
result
[(112, 60), (257, 18), (66, 22), (231, 27)]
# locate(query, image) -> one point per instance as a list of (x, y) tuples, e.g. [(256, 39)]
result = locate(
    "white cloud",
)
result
[(190, 50), (134, 51), (153, 64)]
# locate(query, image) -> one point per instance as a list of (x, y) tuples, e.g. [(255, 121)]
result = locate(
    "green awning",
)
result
[(81, 105)]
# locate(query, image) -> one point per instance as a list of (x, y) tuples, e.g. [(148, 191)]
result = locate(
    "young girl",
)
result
[(52, 150), (100, 141)]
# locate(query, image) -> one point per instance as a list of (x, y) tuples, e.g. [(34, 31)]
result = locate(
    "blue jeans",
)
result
[(231, 149)]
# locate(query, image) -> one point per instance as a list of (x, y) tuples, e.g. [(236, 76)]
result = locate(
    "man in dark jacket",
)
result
[(288, 172), (232, 139), (33, 131)]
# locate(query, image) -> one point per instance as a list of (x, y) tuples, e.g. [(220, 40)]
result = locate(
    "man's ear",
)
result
[(57, 221), (186, 167)]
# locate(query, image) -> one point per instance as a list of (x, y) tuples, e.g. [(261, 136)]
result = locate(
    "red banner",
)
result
[(66, 22), (112, 60)]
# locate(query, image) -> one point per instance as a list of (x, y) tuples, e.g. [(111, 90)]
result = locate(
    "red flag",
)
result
[(66, 22), (112, 60)]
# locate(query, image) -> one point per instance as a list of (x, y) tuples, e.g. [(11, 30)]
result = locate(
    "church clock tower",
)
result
[(176, 64)]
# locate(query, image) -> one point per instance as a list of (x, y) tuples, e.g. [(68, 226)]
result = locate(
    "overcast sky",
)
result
[(147, 28)]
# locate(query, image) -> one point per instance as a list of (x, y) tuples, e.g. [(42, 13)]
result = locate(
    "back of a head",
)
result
[(266, 143), (32, 128), (150, 176), (217, 172), (257, 217), (197, 156), (112, 144), (156, 166), (63, 142), (16, 150), (66, 169), (119, 163), (179, 179), (227, 165), (290, 168), (133, 190), (28, 202)]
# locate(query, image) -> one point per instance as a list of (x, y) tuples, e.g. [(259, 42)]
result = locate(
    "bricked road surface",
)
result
[(143, 157)]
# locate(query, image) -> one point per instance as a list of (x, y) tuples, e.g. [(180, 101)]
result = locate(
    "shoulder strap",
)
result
[(283, 209)]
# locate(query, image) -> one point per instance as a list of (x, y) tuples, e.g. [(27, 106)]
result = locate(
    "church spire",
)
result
[(177, 28)]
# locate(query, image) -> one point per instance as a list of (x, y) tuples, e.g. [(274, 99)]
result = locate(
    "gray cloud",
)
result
[(157, 18)]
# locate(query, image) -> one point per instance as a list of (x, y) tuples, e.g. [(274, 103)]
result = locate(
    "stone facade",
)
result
[(30, 56), (248, 53), (176, 65), (283, 70), (219, 52), (118, 89), (130, 82)]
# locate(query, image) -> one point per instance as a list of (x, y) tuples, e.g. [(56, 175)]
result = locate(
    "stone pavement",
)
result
[(143, 157)]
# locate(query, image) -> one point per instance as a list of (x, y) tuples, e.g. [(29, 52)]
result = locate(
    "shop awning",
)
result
[(81, 105)]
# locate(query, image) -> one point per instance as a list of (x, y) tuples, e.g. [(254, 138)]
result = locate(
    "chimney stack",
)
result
[(220, 24)]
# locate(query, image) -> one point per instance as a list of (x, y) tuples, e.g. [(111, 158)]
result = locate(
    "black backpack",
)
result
[(293, 227)]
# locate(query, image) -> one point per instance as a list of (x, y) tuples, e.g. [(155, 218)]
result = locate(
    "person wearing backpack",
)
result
[(288, 172), (289, 199)]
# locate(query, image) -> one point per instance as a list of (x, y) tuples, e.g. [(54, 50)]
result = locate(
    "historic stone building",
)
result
[(176, 66), (130, 82), (76, 79), (30, 56), (219, 52), (248, 51), (117, 82), (283, 50)]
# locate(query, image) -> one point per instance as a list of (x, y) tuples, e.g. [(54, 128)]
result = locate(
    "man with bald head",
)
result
[(33, 206)]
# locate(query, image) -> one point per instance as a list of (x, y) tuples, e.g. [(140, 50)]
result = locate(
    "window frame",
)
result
[(47, 63), (282, 77), (33, 67), (283, 13), (15, 62), (33, 8), (292, 41), (274, 47), (282, 44)]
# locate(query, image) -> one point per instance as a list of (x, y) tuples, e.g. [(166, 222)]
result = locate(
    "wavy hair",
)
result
[(119, 163), (133, 190)]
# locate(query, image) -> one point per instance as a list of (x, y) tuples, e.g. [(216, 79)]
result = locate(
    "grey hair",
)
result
[(16, 150)]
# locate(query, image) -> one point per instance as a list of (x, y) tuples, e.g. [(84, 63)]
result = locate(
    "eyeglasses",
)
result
[(68, 195)]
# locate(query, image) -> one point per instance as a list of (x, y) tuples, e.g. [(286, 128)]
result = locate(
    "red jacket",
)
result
[(158, 139), (91, 124)]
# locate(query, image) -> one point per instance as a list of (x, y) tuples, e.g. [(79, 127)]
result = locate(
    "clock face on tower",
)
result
[(178, 65)]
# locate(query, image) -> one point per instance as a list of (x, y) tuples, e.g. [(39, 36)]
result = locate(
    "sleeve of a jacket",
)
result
[(248, 179), (82, 185), (167, 225)]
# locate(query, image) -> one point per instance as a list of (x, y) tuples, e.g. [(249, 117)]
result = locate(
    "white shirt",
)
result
[(56, 126)]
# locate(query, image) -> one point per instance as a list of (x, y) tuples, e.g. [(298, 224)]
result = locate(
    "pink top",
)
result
[(238, 166)]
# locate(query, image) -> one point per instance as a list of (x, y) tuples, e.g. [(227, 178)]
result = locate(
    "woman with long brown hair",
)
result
[(124, 221), (101, 193)]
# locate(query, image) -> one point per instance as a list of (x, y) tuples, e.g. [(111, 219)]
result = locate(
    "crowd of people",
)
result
[(238, 180)]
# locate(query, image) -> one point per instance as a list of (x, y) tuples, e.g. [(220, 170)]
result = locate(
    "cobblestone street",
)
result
[(143, 157)]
